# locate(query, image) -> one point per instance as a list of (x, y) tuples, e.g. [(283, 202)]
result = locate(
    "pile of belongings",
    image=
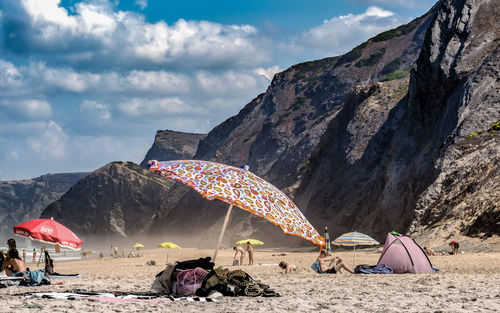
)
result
[(198, 277)]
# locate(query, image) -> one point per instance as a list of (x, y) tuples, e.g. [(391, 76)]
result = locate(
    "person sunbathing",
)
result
[(13, 264), (287, 267), (429, 251), (335, 266)]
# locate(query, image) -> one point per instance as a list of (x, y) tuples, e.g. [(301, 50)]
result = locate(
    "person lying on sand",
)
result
[(335, 266), (429, 251), (13, 264), (239, 249), (287, 267)]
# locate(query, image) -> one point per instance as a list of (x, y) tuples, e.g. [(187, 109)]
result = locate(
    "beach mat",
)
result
[(110, 297)]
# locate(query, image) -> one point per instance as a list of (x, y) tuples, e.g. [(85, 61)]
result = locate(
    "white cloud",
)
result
[(96, 35), (9, 74), (50, 143), (29, 109), (68, 79), (156, 108), (228, 82), (340, 34), (141, 3), (95, 110), (156, 81), (268, 72)]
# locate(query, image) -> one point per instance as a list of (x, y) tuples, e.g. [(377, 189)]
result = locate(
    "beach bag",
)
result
[(49, 264), (190, 280)]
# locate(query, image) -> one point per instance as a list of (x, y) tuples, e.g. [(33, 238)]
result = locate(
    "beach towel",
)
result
[(111, 297), (33, 278), (57, 275), (316, 267), (375, 269), (190, 280)]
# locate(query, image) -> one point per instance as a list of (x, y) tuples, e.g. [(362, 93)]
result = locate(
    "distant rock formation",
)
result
[(118, 200), (23, 200), (172, 145)]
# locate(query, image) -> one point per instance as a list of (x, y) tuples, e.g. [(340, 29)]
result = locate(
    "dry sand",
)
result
[(466, 283)]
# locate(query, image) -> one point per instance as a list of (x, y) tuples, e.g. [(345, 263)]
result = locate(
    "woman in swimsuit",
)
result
[(13, 264), (249, 249)]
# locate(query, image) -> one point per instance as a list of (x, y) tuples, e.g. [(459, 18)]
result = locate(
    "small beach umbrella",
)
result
[(353, 239), (138, 246), (253, 242), (241, 188), (168, 245), (48, 231)]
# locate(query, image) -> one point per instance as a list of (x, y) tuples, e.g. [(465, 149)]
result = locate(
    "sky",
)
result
[(85, 83)]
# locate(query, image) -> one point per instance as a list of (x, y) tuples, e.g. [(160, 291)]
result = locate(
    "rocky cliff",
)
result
[(117, 200), (432, 167), (172, 145), (23, 200)]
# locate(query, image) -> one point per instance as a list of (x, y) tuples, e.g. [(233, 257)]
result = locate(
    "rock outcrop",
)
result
[(118, 200), (23, 200), (172, 145)]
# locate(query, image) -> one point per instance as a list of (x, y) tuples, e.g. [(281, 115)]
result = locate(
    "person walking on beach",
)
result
[(249, 249), (239, 249), (24, 256), (34, 255), (335, 266)]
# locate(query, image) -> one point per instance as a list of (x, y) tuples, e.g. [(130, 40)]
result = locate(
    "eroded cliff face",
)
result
[(117, 200), (419, 170), (172, 145), (463, 52), (24, 200)]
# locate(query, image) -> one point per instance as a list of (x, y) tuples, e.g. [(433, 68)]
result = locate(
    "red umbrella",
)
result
[(48, 231)]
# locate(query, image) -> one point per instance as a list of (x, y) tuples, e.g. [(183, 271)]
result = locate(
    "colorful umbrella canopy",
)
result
[(253, 242), (48, 231), (243, 189), (354, 239), (138, 245), (169, 245)]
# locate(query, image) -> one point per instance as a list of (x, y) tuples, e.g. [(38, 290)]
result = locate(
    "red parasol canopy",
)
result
[(48, 231)]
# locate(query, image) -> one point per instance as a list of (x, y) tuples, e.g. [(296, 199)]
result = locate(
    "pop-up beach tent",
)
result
[(404, 255)]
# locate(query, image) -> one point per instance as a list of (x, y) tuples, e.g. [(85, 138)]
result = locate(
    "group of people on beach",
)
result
[(243, 252), (11, 262)]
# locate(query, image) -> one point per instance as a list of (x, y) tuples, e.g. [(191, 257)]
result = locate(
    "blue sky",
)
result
[(84, 83)]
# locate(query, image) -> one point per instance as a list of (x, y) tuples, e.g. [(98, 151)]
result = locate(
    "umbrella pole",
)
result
[(226, 219), (353, 257)]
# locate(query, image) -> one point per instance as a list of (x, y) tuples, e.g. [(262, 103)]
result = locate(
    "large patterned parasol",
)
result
[(243, 189)]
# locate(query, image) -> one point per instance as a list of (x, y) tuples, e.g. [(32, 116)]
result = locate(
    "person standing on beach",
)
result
[(239, 249), (24, 256), (249, 249), (34, 255)]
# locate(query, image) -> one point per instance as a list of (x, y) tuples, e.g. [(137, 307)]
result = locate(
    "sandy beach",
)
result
[(465, 283)]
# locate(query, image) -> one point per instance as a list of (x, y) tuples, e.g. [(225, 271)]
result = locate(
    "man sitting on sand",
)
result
[(13, 264), (335, 266), (287, 267), (239, 249)]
